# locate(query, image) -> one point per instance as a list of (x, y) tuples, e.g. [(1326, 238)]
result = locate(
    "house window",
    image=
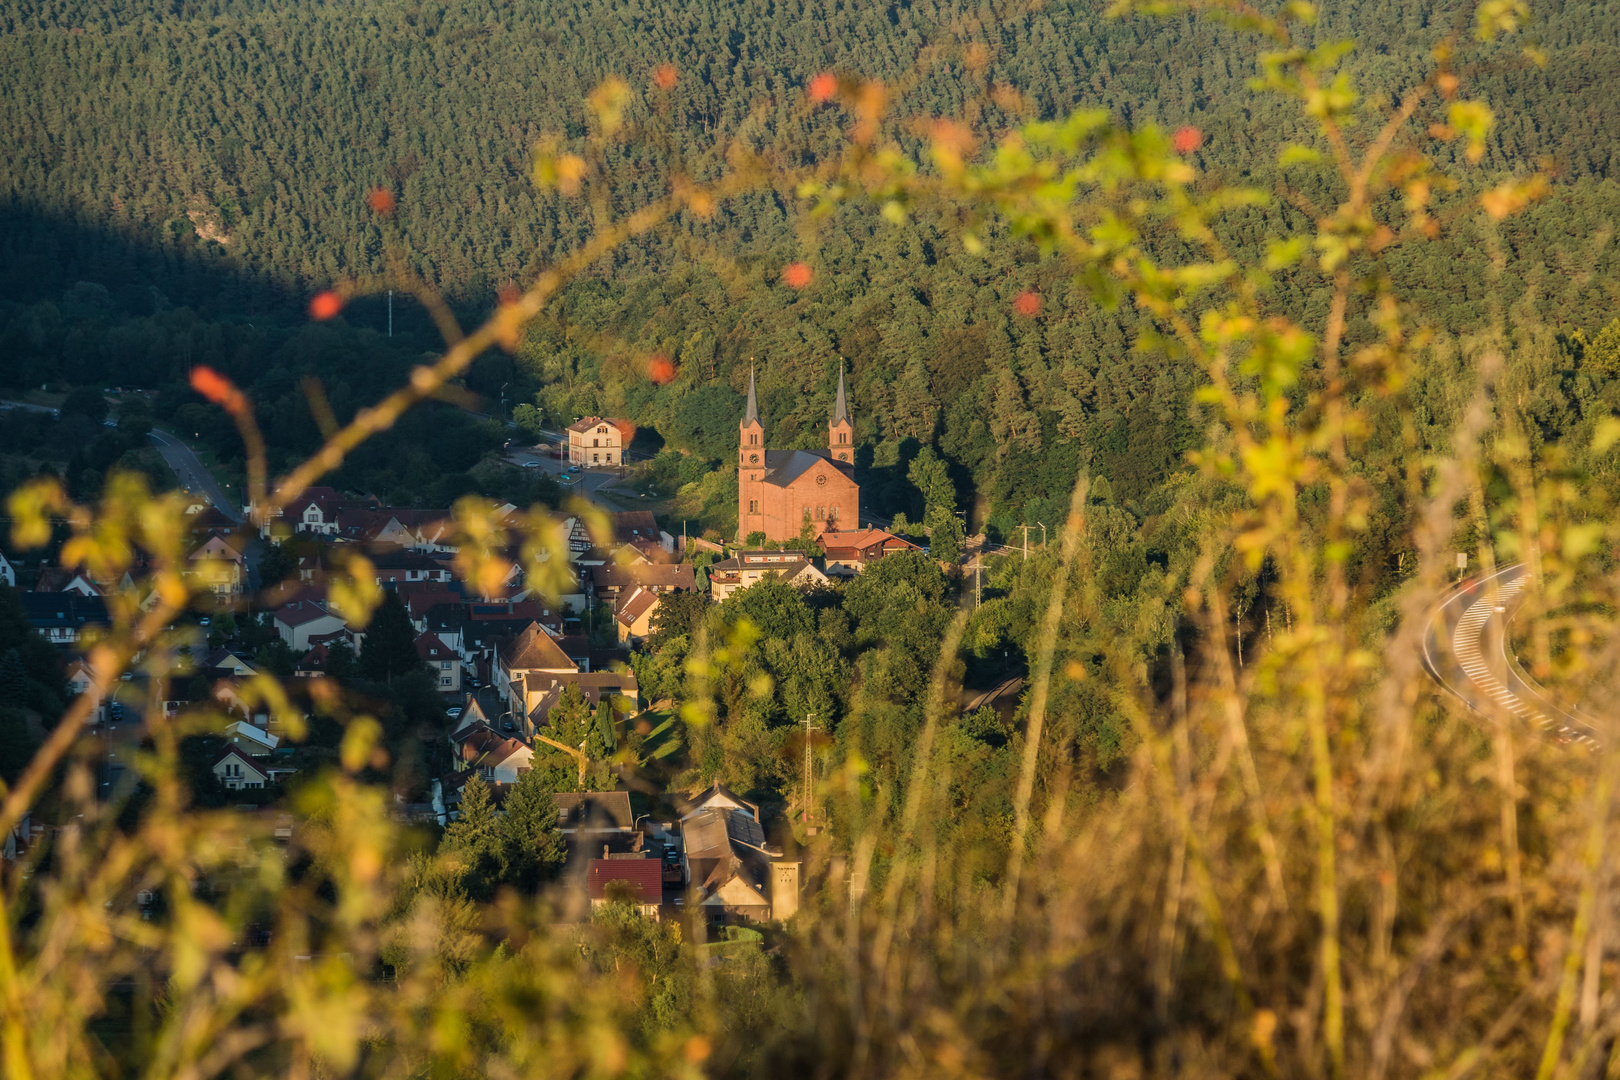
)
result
[(821, 513), (842, 438), (487, 772), (603, 430), (596, 457), (445, 681), (753, 440), (753, 506)]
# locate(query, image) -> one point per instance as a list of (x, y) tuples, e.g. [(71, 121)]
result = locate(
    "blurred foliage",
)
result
[(1169, 857)]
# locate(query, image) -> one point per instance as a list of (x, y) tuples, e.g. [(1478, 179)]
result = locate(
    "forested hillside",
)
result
[(216, 157)]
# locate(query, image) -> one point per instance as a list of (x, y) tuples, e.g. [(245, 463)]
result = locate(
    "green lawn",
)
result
[(665, 737)]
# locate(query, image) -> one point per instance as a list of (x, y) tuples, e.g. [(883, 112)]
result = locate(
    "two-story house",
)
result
[(594, 441), (441, 661)]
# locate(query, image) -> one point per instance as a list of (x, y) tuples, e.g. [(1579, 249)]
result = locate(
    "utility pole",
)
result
[(1042, 524), (1026, 541), (808, 779), (390, 312)]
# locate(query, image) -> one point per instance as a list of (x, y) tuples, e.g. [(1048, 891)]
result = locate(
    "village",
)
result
[(506, 666)]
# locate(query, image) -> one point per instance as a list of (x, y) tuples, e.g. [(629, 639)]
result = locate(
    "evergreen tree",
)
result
[(604, 738), (932, 478), (390, 645), (13, 678), (531, 847), (340, 661), (17, 743), (945, 534), (474, 839)]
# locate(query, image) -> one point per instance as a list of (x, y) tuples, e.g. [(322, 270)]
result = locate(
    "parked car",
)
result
[(453, 713), (507, 725), (531, 464)]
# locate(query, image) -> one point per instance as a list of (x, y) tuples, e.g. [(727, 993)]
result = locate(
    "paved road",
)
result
[(1465, 651), (194, 476), (29, 408), (585, 482)]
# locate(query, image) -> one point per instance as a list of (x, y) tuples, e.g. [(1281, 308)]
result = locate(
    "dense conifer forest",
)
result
[(176, 179)]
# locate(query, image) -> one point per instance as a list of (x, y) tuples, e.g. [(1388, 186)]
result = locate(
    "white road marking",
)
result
[(1465, 646), (1466, 650)]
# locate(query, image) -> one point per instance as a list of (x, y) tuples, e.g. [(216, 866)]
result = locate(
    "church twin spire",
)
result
[(840, 433)]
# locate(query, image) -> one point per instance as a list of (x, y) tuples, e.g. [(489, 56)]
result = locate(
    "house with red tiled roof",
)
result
[(853, 550), (441, 661), (633, 878)]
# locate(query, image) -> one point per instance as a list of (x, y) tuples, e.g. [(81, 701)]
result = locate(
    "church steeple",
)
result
[(751, 433), (841, 432), (752, 415)]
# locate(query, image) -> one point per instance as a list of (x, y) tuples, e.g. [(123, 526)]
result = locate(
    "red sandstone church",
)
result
[(778, 490)]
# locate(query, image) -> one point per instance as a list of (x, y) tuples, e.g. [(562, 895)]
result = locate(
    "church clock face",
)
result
[(753, 459)]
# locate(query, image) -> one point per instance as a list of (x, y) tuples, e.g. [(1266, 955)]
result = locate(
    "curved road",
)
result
[(1465, 651), (194, 476)]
